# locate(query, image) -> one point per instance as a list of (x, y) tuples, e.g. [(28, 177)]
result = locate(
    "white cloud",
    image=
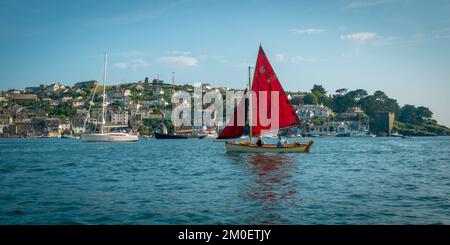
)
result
[(134, 64), (178, 60), (373, 38), (139, 63), (122, 65), (358, 4), (359, 36), (128, 54), (280, 57), (178, 52), (379, 40), (306, 31)]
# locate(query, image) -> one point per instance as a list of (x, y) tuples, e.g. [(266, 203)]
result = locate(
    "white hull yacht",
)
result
[(109, 137), (104, 136)]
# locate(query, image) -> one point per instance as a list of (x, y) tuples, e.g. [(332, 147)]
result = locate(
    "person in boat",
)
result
[(281, 142), (259, 141)]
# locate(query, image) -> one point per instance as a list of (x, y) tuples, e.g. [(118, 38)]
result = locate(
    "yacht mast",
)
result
[(104, 93), (250, 108)]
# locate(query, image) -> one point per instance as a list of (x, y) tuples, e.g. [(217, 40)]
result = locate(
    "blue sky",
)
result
[(401, 47)]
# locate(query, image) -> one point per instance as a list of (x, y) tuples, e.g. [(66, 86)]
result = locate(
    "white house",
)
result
[(119, 117), (117, 94), (308, 112), (156, 102), (54, 87)]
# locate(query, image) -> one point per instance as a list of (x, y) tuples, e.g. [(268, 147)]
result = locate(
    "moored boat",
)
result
[(109, 137), (264, 81), (177, 136), (252, 148), (104, 136)]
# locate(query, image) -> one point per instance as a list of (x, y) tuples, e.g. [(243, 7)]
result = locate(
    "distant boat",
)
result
[(102, 136), (162, 133), (407, 137), (177, 136), (108, 137), (264, 79), (396, 135), (69, 136), (362, 135), (294, 136), (343, 135), (326, 135)]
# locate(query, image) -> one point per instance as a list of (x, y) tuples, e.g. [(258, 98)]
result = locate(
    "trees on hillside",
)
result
[(417, 116), (319, 89), (310, 99), (379, 101)]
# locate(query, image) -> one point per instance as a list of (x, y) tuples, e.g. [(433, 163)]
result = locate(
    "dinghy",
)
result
[(264, 80)]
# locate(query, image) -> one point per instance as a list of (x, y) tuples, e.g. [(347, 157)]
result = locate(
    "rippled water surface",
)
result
[(342, 181)]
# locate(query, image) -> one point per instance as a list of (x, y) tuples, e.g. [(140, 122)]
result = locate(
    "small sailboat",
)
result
[(264, 79), (102, 136)]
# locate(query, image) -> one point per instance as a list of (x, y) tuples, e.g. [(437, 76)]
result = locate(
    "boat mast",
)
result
[(104, 93), (250, 108)]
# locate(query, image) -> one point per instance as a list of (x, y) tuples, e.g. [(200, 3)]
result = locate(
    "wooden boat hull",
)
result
[(173, 136), (252, 148)]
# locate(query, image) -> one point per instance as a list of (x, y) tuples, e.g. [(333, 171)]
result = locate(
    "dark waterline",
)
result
[(343, 181)]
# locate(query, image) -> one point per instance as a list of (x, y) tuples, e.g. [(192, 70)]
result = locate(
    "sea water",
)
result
[(192, 181)]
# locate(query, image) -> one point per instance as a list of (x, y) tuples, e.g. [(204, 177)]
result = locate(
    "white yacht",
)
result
[(102, 136), (108, 137)]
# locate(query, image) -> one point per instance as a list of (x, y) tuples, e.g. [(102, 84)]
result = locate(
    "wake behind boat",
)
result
[(264, 80)]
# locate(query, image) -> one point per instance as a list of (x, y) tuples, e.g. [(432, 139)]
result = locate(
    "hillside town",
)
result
[(55, 110)]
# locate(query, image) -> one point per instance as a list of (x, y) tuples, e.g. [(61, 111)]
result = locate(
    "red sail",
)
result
[(264, 79), (232, 130)]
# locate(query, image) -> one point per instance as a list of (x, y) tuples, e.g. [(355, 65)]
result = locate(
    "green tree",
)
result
[(341, 104), (371, 105), (380, 95), (358, 94), (342, 91), (391, 105), (408, 114), (295, 100), (64, 110), (423, 114), (319, 89), (310, 99), (378, 102), (326, 101)]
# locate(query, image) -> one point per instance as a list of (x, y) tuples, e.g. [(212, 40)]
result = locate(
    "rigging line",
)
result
[(92, 99)]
